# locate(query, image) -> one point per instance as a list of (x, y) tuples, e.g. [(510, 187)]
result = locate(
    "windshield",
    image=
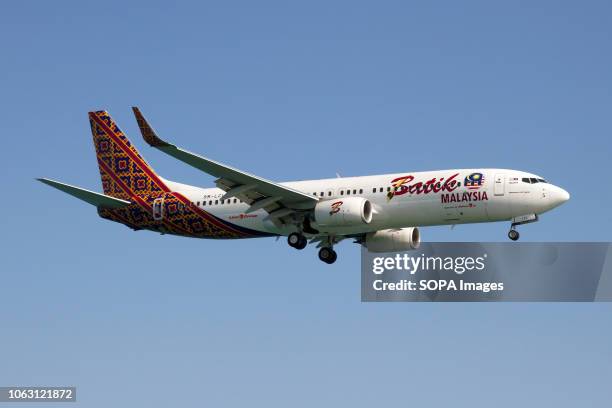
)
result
[(533, 180)]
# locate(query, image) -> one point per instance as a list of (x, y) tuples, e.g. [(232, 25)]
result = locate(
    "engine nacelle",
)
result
[(343, 212), (403, 239)]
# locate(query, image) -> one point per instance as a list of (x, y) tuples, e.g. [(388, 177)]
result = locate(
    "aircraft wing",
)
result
[(278, 200), (91, 197)]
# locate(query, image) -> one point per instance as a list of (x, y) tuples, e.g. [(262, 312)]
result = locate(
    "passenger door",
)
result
[(500, 184)]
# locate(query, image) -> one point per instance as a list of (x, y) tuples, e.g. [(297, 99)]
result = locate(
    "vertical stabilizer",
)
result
[(123, 170)]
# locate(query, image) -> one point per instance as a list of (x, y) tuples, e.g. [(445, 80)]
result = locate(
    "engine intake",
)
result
[(392, 240), (345, 212)]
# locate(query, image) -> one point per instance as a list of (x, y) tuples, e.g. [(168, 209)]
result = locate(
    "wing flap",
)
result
[(91, 197)]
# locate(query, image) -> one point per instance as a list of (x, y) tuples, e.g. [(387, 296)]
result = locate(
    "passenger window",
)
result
[(388, 189), (361, 191), (216, 202), (348, 192), (354, 191), (374, 190), (329, 193), (381, 189)]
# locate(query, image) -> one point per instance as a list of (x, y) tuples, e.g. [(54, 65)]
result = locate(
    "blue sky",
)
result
[(294, 91)]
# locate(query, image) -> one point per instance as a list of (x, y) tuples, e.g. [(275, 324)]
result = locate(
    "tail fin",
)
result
[(123, 170)]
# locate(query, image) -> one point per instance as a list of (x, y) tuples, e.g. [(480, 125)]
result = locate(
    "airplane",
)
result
[(382, 213)]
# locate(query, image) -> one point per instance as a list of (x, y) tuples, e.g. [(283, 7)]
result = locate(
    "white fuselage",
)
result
[(405, 199)]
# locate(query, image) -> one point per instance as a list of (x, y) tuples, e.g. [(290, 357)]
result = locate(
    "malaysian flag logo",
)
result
[(474, 181)]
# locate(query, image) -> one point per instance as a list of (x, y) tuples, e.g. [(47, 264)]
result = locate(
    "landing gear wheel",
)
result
[(328, 255), (302, 244), (513, 234), (297, 241)]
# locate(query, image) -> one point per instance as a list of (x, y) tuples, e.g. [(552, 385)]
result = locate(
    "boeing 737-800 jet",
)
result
[(383, 212)]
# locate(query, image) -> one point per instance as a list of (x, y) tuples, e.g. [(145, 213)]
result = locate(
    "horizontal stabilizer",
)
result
[(91, 197)]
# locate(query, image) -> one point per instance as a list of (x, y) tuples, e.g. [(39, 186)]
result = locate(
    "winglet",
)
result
[(148, 134), (91, 197)]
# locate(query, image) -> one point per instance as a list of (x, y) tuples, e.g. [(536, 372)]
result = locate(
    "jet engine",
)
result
[(392, 240), (343, 212)]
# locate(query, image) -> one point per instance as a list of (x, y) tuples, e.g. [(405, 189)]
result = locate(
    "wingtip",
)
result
[(147, 132), (45, 181)]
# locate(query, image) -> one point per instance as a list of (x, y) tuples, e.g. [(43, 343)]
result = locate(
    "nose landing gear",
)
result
[(523, 219), (513, 234)]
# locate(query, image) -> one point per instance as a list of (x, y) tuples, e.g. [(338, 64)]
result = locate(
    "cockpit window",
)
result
[(533, 180)]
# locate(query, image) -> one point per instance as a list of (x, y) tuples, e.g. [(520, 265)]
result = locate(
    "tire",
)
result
[(334, 257), (513, 235), (302, 243), (327, 255), (294, 239)]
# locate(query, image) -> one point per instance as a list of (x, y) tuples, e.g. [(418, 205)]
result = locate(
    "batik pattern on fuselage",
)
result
[(127, 176)]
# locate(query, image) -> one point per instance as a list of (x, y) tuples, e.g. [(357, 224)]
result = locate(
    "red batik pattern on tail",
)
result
[(120, 163), (126, 175)]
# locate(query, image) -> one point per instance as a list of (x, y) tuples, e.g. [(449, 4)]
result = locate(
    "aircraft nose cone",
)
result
[(564, 195), (559, 196)]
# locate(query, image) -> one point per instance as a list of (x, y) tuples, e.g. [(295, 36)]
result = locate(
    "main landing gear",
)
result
[(328, 255), (297, 241)]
